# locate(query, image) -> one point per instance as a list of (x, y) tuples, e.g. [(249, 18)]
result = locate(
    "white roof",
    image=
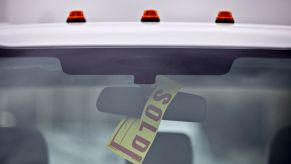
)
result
[(146, 34)]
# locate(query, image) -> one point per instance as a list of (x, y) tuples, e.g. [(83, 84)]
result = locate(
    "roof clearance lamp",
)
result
[(224, 17), (76, 16), (150, 16)]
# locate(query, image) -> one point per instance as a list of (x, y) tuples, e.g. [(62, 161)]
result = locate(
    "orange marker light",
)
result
[(224, 17), (76, 16), (150, 16)]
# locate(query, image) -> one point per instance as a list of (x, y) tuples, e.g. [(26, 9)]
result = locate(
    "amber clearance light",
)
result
[(150, 16), (76, 16), (224, 17)]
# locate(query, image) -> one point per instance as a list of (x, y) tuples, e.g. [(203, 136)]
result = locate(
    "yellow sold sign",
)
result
[(133, 137)]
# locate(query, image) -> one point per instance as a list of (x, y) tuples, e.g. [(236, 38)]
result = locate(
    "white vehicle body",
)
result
[(149, 35), (146, 34)]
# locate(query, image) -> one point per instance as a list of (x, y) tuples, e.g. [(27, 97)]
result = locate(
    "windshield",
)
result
[(50, 115)]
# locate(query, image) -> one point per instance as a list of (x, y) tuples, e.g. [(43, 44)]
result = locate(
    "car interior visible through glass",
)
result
[(237, 116)]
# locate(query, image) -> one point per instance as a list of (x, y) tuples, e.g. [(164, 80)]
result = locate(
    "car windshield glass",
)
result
[(49, 116)]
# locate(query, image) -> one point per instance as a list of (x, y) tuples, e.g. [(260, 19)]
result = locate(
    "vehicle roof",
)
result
[(145, 34)]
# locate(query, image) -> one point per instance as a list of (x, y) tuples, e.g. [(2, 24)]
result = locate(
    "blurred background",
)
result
[(245, 11)]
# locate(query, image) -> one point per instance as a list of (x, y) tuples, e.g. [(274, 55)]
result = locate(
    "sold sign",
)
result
[(133, 138)]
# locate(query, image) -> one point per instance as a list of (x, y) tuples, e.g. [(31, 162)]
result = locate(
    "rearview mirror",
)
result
[(130, 101)]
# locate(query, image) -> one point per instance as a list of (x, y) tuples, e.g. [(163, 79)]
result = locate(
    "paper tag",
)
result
[(133, 137)]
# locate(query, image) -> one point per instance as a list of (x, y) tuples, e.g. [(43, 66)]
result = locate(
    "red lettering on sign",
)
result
[(123, 149), (147, 126), (153, 112), (158, 96), (140, 143)]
